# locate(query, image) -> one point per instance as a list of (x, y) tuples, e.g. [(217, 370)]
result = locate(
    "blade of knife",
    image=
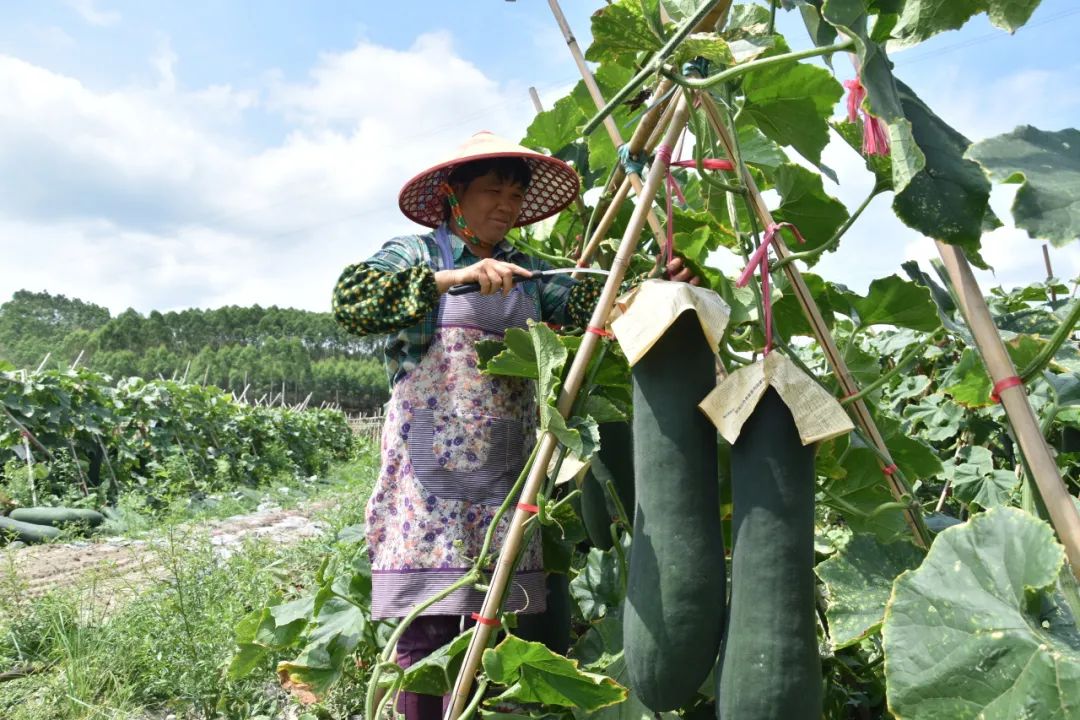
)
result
[(466, 288)]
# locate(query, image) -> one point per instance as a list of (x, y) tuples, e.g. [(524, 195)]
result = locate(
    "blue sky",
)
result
[(165, 155)]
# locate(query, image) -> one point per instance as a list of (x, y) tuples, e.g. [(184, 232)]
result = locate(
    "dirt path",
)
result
[(114, 563)]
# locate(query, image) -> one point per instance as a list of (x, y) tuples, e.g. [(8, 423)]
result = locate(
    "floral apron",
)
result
[(454, 443)]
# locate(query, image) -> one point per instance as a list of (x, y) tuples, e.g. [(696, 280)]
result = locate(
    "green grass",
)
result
[(133, 517), (164, 649)]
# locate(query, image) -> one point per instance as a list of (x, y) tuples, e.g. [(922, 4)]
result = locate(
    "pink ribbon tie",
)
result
[(760, 261)]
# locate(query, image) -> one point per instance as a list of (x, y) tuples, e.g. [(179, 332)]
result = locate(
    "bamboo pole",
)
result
[(1059, 504), (821, 332), (604, 225), (598, 98), (574, 379)]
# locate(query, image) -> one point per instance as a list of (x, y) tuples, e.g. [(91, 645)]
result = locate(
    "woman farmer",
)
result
[(455, 440)]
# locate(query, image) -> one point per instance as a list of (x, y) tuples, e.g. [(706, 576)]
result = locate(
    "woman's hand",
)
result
[(679, 272), (492, 275)]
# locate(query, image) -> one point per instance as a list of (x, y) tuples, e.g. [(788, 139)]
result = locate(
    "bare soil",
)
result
[(111, 564)]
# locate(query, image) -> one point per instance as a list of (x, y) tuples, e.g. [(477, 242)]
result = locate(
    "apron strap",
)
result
[(442, 239)]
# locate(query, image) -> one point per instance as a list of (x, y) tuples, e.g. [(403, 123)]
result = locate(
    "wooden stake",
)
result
[(30, 469), (574, 379), (820, 329), (1059, 504), (1049, 273)]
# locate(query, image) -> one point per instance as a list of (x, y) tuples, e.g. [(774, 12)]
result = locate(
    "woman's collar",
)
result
[(457, 245)]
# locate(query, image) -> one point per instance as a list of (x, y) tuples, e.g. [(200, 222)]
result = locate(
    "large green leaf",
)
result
[(580, 435), (894, 301), (621, 30), (949, 198), (975, 479), (1047, 167), (436, 673), (550, 358), (611, 78), (858, 581), (757, 150), (806, 205), (556, 128), (534, 674), (338, 629), (939, 417), (977, 631), (513, 356), (597, 588), (969, 384), (911, 453), (821, 32), (710, 46), (860, 495), (875, 71), (788, 314), (791, 104), (967, 381), (921, 19), (1066, 388)]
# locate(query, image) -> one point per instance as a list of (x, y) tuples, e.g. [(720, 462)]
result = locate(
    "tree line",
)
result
[(269, 354)]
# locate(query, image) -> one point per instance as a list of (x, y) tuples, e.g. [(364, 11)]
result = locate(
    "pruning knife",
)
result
[(537, 275)]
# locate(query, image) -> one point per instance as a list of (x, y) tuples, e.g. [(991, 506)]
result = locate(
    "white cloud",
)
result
[(158, 197), (164, 61), (155, 197), (88, 11)]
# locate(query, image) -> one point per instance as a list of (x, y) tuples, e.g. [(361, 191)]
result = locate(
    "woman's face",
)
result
[(491, 206)]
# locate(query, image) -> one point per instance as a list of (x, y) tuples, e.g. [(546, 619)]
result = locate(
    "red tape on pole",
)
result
[(600, 331), (1005, 384), (491, 622), (528, 508)]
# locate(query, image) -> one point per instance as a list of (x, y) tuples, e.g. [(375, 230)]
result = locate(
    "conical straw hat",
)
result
[(554, 183)]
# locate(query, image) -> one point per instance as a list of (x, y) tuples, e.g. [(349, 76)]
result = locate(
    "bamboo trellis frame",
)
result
[(1062, 510)]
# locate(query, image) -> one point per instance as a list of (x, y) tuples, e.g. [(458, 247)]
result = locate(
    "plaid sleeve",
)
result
[(393, 290)]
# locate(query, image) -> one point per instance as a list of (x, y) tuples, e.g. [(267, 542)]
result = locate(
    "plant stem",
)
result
[(734, 72), (26, 433), (1058, 339), (624, 518), (557, 260), (477, 698), (900, 365), (832, 242)]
